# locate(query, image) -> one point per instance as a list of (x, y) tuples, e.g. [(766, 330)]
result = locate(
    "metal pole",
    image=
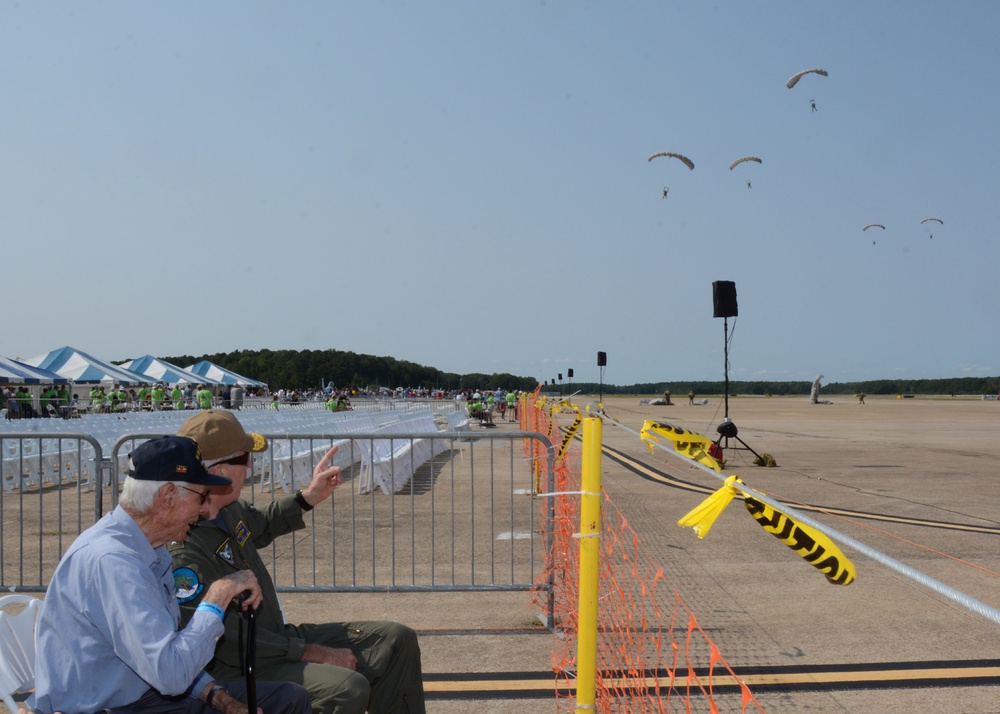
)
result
[(590, 553), (725, 352)]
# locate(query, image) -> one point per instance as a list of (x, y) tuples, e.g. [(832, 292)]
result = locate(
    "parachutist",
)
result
[(812, 103), (748, 185), (666, 190)]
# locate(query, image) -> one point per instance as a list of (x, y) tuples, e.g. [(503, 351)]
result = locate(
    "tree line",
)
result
[(958, 385), (303, 369)]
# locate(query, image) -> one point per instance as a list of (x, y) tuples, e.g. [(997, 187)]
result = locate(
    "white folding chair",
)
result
[(17, 646)]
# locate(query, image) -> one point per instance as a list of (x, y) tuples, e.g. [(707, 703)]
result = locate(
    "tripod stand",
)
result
[(727, 429)]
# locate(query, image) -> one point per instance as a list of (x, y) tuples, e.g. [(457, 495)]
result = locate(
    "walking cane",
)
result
[(248, 661)]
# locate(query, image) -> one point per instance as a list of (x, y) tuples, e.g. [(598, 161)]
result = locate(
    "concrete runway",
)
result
[(919, 480), (913, 478)]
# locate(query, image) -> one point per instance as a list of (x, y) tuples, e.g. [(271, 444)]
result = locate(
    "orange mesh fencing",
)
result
[(652, 655)]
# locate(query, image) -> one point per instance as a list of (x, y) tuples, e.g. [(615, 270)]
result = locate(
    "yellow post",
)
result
[(590, 551)]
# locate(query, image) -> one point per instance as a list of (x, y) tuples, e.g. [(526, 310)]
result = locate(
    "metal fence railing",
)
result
[(419, 511)]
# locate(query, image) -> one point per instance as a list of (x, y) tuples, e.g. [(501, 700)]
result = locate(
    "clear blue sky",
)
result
[(465, 185)]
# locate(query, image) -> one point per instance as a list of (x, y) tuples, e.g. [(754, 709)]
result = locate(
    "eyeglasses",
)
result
[(203, 496), (243, 460)]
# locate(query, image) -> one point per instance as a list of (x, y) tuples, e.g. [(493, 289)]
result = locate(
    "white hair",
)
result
[(137, 495)]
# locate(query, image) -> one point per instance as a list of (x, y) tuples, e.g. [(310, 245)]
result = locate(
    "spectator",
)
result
[(156, 396), (48, 397), (25, 402), (177, 397), (348, 667), (236, 397), (227, 396), (13, 406), (108, 637)]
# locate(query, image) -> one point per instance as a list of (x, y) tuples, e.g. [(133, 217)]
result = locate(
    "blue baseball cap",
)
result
[(172, 458)]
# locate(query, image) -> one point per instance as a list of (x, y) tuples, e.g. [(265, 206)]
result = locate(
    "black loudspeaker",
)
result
[(602, 359), (560, 376), (724, 298), (569, 373)]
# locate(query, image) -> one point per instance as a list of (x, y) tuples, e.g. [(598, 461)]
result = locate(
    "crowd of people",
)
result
[(59, 401), (483, 405)]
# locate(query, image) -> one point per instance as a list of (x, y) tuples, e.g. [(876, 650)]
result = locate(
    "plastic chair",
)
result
[(17, 647)]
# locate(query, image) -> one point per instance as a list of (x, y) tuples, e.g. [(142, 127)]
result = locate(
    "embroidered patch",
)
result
[(186, 585), (225, 551), (242, 533)]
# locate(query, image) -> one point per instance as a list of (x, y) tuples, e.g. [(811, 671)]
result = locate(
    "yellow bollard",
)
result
[(590, 551)]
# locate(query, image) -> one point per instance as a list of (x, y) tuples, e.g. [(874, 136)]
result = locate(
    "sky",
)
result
[(466, 185)]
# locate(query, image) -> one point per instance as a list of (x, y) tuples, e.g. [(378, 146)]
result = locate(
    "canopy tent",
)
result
[(80, 368), (14, 372), (214, 371), (163, 371)]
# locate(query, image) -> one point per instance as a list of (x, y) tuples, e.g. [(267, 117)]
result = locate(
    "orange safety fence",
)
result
[(652, 654)]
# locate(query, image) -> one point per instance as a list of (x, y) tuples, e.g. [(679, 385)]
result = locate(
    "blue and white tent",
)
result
[(14, 372), (211, 370), (163, 371), (81, 368)]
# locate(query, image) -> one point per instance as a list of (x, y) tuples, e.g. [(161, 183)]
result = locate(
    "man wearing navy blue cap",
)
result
[(108, 637)]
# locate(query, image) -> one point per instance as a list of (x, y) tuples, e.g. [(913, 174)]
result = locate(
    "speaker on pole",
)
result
[(724, 299), (602, 359), (569, 373)]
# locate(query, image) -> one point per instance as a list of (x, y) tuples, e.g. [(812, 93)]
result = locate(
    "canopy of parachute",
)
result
[(933, 219), (873, 225), (796, 77), (743, 160), (688, 162)]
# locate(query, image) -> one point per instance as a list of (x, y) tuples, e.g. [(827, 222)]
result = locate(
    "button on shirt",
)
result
[(108, 626)]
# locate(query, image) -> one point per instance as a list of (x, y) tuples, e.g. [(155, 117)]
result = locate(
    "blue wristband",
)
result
[(211, 607)]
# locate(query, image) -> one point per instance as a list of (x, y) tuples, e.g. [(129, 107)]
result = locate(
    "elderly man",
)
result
[(108, 637), (348, 667)]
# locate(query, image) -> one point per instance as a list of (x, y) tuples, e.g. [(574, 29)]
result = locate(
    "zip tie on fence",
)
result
[(567, 493)]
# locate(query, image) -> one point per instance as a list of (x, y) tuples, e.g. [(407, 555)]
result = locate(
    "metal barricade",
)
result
[(419, 511), (51, 492)]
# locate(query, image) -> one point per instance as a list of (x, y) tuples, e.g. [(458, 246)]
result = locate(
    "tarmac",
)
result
[(915, 479)]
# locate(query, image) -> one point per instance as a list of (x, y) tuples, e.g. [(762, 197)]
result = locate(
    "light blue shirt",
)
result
[(108, 626)]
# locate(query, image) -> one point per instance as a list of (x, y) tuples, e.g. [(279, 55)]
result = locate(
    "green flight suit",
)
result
[(388, 678)]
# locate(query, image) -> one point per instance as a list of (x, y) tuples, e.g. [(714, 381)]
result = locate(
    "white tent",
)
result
[(163, 371), (14, 372), (81, 368), (214, 371)]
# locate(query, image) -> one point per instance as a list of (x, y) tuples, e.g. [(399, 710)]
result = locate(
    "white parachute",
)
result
[(744, 160), (680, 157), (796, 77)]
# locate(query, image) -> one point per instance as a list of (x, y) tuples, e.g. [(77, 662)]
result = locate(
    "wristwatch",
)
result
[(301, 500), (212, 692)]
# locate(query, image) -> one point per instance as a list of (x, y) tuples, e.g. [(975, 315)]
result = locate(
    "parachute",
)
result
[(679, 157), (933, 219), (744, 159), (873, 225), (796, 77)]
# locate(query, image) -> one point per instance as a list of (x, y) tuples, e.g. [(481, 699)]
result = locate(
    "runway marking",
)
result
[(653, 474), (880, 675)]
